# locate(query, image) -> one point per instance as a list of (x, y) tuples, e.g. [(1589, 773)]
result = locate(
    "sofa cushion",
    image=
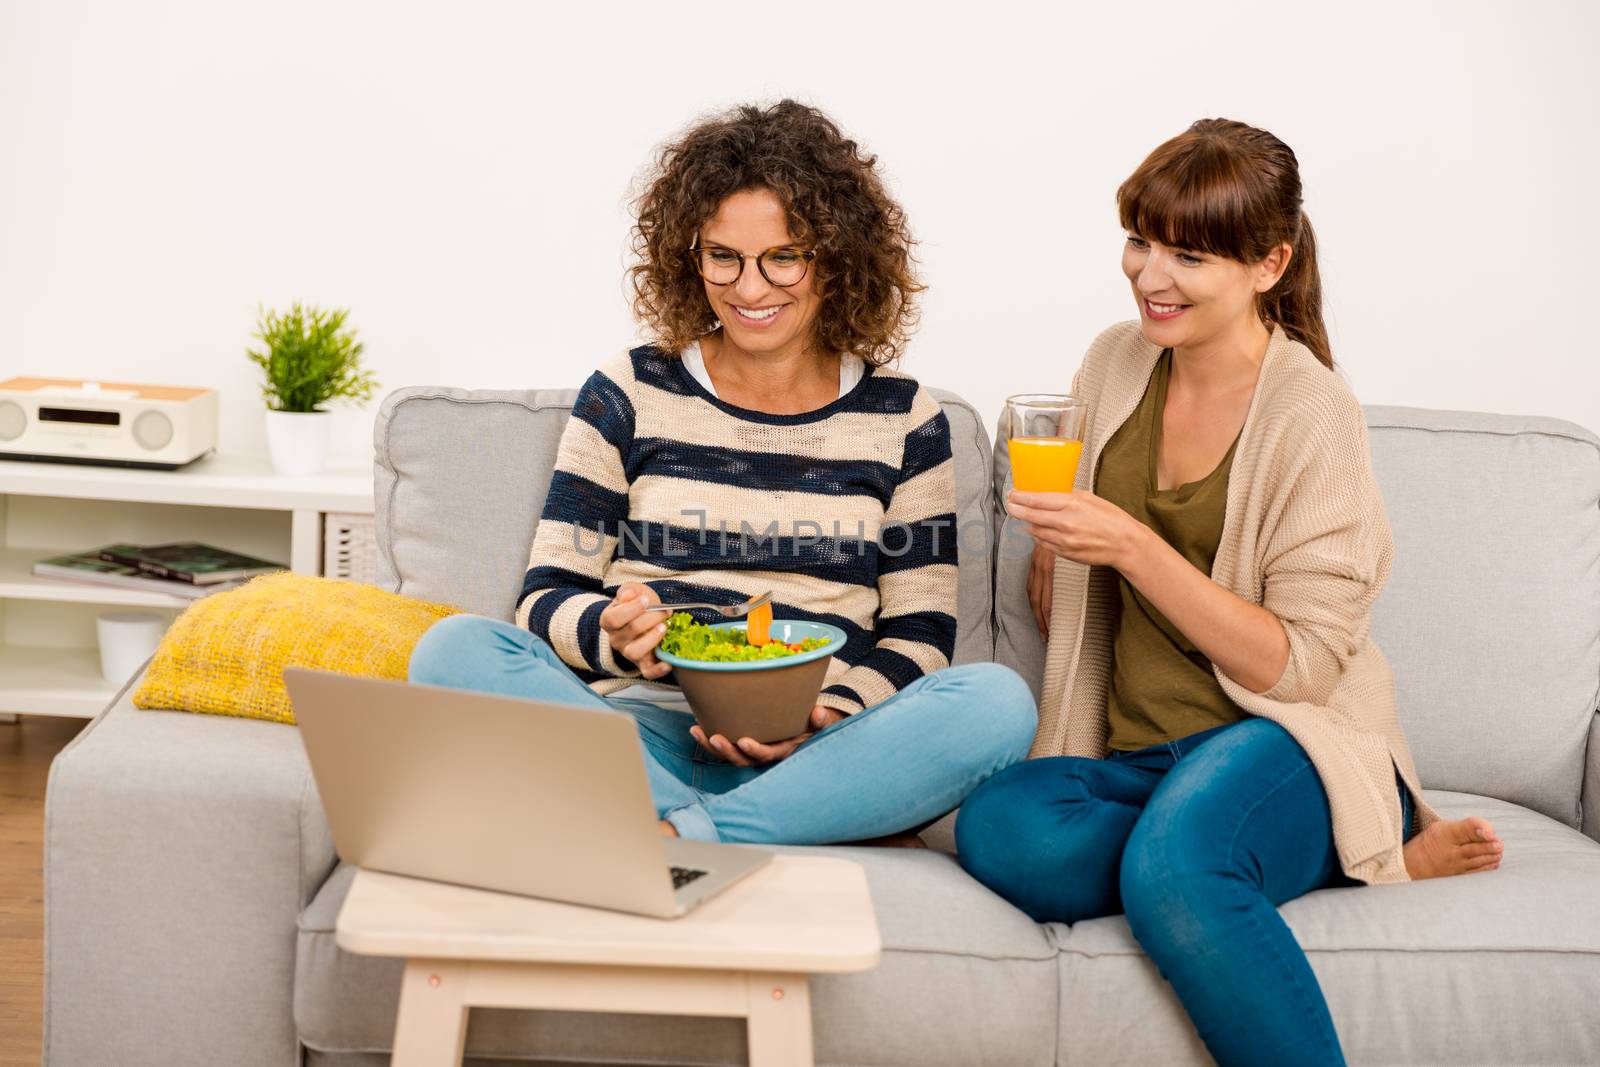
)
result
[(964, 979), (969, 447), (1491, 618), (460, 480), (462, 476), (178, 851), (1491, 968), (1017, 641)]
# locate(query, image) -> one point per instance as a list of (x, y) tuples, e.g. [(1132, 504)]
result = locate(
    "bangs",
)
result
[(1190, 196)]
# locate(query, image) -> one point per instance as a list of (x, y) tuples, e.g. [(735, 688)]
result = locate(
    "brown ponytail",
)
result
[(1234, 191)]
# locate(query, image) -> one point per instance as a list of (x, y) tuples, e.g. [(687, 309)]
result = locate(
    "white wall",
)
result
[(458, 175)]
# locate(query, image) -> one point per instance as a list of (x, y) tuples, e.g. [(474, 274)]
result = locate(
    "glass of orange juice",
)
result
[(1046, 440)]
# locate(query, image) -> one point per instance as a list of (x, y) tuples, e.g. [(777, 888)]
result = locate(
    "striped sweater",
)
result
[(846, 513)]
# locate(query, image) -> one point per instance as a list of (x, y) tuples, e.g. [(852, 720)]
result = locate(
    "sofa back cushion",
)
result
[(1017, 641), (1491, 618), (462, 476)]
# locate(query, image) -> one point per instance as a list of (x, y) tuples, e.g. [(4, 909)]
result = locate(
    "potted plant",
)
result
[(310, 358)]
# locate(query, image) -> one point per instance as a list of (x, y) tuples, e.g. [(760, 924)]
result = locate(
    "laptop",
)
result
[(499, 793)]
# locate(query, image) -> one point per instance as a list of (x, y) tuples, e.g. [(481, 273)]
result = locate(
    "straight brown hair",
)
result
[(1233, 190)]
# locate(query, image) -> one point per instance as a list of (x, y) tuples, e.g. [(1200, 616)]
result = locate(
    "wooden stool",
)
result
[(746, 952)]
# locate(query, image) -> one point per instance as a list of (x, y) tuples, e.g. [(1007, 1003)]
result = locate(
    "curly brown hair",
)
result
[(835, 201)]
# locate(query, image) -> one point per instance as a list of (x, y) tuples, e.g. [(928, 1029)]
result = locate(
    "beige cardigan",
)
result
[(1305, 536)]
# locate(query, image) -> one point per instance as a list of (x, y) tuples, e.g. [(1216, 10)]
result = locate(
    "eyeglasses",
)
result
[(781, 266)]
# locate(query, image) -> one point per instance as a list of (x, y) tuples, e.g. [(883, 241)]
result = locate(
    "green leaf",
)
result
[(309, 357), (691, 640)]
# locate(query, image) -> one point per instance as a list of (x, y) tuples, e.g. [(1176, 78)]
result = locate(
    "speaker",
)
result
[(13, 420), (152, 429), (119, 424)]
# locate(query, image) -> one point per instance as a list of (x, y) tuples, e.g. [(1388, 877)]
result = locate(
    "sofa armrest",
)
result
[(179, 852), (1589, 803)]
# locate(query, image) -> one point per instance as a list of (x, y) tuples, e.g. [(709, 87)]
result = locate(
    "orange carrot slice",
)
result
[(757, 625)]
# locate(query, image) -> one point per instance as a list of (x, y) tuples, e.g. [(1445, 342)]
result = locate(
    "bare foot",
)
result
[(902, 840), (667, 829), (1459, 846)]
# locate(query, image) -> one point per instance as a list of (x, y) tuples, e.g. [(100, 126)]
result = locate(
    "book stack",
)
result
[(186, 569)]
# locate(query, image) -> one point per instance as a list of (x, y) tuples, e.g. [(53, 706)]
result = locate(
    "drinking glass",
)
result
[(1046, 440)]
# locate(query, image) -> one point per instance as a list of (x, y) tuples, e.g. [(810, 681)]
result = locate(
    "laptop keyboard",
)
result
[(682, 876)]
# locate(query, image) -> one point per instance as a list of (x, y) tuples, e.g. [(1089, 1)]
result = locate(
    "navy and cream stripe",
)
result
[(846, 513)]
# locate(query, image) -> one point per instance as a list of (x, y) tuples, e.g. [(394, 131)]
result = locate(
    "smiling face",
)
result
[(1188, 299), (758, 317)]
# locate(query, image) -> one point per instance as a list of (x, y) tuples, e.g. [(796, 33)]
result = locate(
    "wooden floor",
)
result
[(26, 749)]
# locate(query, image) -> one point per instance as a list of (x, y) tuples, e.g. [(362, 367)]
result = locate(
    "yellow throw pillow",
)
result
[(226, 654)]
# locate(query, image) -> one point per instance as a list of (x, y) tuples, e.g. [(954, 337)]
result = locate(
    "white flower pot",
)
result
[(297, 441)]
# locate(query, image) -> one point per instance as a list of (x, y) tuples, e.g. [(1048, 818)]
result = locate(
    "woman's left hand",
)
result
[(1079, 526)]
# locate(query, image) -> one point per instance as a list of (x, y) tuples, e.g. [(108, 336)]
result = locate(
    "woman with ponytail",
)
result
[(1217, 730)]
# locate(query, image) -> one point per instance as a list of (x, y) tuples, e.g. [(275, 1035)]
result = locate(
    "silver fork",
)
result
[(737, 611)]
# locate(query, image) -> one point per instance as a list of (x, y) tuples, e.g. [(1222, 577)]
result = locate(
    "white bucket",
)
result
[(127, 639)]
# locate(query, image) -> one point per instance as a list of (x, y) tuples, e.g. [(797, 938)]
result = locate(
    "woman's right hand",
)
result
[(1041, 586), (634, 632)]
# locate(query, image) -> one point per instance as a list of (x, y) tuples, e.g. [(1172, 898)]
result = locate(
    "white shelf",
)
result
[(218, 481), (18, 582), (37, 680), (53, 681)]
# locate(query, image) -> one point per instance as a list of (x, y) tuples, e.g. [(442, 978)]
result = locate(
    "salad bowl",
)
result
[(764, 695)]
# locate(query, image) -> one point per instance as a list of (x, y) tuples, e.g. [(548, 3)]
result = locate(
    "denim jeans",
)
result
[(1197, 841), (896, 765)]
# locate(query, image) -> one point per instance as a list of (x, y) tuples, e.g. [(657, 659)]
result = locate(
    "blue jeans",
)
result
[(1197, 841), (896, 765)]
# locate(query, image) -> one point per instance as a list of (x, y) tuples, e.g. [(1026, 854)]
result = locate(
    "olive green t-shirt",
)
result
[(1162, 686)]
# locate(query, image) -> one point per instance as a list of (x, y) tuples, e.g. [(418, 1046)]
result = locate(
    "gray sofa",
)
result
[(192, 888)]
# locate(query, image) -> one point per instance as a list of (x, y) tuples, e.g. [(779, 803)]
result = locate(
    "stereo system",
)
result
[(67, 420)]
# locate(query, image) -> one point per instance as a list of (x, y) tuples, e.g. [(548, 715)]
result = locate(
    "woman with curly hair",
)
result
[(761, 442)]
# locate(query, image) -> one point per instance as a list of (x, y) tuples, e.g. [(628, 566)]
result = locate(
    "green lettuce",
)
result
[(692, 640)]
